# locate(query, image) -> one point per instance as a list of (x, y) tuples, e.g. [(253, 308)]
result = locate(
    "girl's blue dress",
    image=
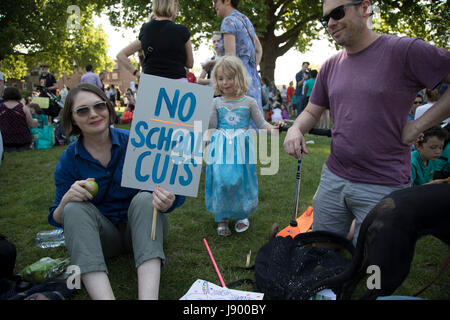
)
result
[(231, 183)]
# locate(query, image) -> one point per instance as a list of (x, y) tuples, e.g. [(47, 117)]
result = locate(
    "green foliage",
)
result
[(429, 20), (27, 191), (34, 31), (286, 24)]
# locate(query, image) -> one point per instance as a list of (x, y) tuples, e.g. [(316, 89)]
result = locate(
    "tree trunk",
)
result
[(269, 58)]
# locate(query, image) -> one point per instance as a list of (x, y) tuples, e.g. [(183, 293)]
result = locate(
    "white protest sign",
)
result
[(165, 147)]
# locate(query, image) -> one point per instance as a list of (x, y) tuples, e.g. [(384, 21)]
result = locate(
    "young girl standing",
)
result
[(231, 185)]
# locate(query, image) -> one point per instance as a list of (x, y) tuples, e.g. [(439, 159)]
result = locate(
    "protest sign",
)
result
[(43, 102), (165, 147)]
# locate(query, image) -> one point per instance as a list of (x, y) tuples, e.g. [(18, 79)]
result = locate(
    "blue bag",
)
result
[(43, 138)]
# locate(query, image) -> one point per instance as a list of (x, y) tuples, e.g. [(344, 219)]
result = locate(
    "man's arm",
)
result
[(433, 116), (294, 143)]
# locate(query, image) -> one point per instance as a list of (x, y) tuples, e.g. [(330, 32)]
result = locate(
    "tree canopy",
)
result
[(285, 24), (52, 31), (36, 30)]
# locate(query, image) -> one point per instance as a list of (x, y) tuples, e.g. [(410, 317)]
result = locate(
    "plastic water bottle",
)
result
[(50, 239)]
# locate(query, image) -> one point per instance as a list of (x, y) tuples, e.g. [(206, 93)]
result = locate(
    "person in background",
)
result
[(167, 46), (63, 94), (37, 113), (239, 39), (102, 76), (91, 77), (15, 122), (431, 97), (265, 91), (207, 67), (300, 78), (418, 101), (277, 113), (48, 81), (423, 159), (289, 95)]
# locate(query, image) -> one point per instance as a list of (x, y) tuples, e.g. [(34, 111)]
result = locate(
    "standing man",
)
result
[(48, 83), (47, 80), (369, 87), (300, 78), (91, 77)]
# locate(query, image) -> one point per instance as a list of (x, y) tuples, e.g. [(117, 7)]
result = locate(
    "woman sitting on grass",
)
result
[(116, 219), (38, 114)]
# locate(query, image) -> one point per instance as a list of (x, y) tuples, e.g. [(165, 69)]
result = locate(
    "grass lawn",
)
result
[(27, 191)]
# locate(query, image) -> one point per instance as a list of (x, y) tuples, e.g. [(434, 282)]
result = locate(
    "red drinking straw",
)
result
[(214, 263)]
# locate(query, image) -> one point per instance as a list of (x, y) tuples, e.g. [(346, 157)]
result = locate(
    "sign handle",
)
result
[(155, 215)]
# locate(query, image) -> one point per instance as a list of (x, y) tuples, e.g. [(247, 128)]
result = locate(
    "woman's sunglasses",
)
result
[(84, 111), (337, 13)]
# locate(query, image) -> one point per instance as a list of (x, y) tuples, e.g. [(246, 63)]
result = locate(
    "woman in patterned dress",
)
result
[(239, 39)]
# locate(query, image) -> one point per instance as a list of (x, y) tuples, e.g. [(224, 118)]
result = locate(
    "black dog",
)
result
[(388, 236)]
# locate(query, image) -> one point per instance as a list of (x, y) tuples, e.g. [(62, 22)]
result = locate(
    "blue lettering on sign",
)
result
[(139, 134), (191, 110), (137, 170), (148, 141), (165, 139), (162, 177), (174, 174), (186, 181), (173, 105)]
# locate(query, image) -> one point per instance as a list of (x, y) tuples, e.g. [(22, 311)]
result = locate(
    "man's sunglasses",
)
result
[(337, 13), (84, 111)]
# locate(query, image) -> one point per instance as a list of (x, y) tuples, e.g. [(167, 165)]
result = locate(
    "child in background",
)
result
[(289, 94), (427, 152), (443, 163), (276, 112), (37, 113), (231, 183), (284, 112)]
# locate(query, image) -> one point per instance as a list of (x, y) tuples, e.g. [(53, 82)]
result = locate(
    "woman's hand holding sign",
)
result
[(162, 199)]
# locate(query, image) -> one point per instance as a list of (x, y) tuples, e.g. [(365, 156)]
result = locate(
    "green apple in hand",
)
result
[(94, 186)]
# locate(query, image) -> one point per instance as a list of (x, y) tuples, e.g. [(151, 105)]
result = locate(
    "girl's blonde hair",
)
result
[(233, 67), (165, 8)]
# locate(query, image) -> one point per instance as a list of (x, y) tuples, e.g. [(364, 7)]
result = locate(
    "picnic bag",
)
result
[(289, 268), (127, 117), (43, 138)]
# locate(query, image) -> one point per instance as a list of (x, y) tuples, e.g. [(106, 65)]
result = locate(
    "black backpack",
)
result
[(289, 268)]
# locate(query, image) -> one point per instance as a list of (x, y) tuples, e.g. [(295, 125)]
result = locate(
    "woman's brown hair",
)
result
[(69, 126)]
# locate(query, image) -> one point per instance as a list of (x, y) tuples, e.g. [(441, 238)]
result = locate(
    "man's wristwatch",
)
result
[(135, 71)]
